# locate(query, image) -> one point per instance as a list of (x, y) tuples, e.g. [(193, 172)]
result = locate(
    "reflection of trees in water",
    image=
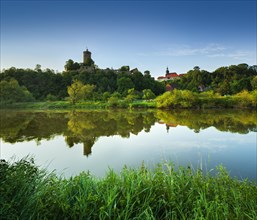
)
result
[(19, 126), (235, 121), (77, 126), (87, 126)]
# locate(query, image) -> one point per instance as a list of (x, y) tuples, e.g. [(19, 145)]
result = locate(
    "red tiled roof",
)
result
[(171, 75), (172, 125)]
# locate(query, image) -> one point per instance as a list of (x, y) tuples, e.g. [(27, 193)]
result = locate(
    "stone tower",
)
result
[(86, 56)]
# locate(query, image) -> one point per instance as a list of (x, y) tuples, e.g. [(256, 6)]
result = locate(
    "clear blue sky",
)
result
[(149, 35)]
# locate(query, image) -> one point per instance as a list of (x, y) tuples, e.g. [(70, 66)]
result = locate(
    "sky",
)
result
[(148, 35)]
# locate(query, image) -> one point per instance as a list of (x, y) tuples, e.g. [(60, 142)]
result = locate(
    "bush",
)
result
[(113, 101), (51, 97), (177, 99)]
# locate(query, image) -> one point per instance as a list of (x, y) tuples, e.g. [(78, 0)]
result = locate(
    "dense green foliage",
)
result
[(48, 85), (27, 192), (39, 83), (198, 88), (188, 99), (11, 91), (224, 80)]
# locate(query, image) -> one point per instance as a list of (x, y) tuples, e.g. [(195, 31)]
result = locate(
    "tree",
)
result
[(147, 73), (124, 68), (11, 91), (70, 65), (106, 96), (148, 94), (196, 68), (87, 91), (138, 80), (124, 84), (177, 98), (38, 68), (132, 95), (78, 91), (254, 83), (75, 91)]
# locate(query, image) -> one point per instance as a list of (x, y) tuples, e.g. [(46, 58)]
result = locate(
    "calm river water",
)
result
[(70, 142)]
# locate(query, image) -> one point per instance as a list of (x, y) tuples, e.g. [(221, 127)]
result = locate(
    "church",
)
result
[(169, 76)]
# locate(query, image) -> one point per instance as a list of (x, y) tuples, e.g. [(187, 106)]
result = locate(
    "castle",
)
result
[(88, 63), (86, 56)]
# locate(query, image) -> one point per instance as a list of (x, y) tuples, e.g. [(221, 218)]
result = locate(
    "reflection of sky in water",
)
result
[(181, 145)]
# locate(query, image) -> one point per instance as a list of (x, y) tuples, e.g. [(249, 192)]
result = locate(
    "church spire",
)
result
[(167, 71)]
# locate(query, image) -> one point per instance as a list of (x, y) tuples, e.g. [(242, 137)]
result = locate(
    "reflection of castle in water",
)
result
[(168, 125), (87, 144), (87, 126)]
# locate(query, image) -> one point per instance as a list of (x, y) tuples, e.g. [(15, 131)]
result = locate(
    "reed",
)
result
[(28, 192)]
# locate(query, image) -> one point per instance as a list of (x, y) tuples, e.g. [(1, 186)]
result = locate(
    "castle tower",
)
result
[(86, 56)]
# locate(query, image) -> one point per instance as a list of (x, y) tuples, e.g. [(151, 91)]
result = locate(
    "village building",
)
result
[(169, 76)]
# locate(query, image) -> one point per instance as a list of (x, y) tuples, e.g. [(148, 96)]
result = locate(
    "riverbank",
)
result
[(177, 99), (80, 105), (165, 193)]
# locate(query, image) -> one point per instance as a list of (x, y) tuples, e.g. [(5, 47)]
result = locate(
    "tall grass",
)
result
[(28, 192)]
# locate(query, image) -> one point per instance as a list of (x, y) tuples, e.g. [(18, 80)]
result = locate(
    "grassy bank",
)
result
[(28, 192), (54, 105), (176, 99), (79, 105)]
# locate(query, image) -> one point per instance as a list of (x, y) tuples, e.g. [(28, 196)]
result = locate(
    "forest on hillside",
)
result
[(19, 85), (41, 85), (226, 80)]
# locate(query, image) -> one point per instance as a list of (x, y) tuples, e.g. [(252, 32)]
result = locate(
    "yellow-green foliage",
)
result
[(188, 99), (177, 99), (247, 99), (78, 91)]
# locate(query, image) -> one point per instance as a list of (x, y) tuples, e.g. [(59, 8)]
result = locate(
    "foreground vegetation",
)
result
[(165, 193)]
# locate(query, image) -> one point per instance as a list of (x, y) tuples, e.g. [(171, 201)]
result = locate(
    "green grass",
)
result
[(79, 105), (55, 105), (28, 192)]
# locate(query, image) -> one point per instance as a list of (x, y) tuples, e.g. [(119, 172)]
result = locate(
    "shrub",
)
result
[(177, 99)]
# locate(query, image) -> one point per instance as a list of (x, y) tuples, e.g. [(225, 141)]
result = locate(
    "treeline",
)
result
[(224, 80), (22, 85), (48, 85)]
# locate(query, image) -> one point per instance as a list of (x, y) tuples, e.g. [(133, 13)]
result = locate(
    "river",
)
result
[(94, 141)]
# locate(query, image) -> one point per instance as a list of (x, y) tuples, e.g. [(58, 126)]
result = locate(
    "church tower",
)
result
[(167, 71), (86, 56)]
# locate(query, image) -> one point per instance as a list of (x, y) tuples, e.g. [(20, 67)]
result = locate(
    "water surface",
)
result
[(74, 141)]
